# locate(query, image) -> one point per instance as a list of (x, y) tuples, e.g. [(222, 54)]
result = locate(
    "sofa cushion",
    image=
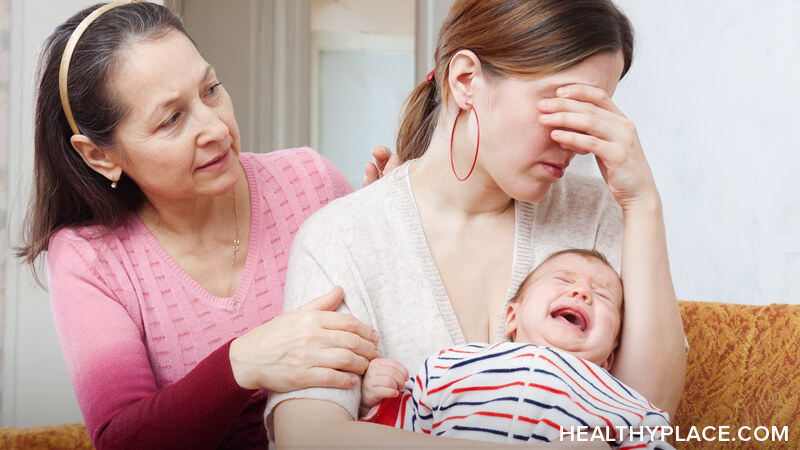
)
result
[(742, 371), (55, 437)]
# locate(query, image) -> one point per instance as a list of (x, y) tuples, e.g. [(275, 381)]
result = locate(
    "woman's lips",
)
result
[(217, 162), (555, 171)]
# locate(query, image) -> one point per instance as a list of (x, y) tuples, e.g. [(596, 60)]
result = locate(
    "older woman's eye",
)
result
[(213, 89), (172, 120)]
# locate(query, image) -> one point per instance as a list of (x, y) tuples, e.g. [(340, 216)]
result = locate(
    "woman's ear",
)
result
[(510, 327), (464, 74), (96, 158)]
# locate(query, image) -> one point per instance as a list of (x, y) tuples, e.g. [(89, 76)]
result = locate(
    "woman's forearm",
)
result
[(195, 412), (307, 423), (651, 356)]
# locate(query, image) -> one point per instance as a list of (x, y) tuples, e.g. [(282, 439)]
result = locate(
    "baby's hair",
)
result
[(586, 253)]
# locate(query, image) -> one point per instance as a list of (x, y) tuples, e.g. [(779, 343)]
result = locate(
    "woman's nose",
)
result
[(211, 127)]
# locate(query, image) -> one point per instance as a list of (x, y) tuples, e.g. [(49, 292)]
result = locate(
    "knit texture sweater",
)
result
[(372, 244), (146, 346)]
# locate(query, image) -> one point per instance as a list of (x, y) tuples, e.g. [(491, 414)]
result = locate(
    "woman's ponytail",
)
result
[(420, 113)]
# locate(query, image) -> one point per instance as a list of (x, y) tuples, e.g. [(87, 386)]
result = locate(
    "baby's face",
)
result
[(573, 303)]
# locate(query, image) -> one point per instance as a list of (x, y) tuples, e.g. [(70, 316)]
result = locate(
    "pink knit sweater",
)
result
[(147, 347)]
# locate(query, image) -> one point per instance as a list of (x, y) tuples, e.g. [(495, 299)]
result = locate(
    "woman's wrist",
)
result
[(648, 203), (241, 373)]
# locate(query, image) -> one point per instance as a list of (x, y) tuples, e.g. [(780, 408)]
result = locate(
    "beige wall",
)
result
[(394, 17), (5, 33)]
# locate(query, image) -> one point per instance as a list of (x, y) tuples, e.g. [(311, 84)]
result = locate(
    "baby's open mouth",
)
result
[(573, 316)]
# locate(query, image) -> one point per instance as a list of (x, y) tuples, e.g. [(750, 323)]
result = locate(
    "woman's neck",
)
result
[(432, 178), (200, 216)]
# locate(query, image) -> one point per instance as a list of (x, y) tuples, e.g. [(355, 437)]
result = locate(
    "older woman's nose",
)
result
[(211, 127)]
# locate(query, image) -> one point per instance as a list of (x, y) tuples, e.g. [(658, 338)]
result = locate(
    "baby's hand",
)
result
[(384, 379)]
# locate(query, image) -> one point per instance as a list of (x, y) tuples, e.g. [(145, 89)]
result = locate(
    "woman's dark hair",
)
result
[(67, 192), (519, 38)]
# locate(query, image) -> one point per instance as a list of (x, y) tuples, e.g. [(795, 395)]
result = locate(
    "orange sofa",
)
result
[(743, 371), (50, 437)]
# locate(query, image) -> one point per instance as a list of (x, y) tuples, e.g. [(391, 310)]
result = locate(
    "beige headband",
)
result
[(67, 56)]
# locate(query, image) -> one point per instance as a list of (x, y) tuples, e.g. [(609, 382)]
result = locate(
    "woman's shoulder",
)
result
[(367, 210), (300, 171), (93, 248), (89, 238), (301, 158)]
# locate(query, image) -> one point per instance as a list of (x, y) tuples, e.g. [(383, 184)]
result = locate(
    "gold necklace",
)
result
[(235, 245)]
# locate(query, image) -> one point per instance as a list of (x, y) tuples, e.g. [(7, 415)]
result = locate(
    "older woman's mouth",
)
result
[(216, 162)]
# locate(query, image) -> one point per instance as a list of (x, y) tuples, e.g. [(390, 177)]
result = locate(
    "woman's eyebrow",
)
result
[(175, 97)]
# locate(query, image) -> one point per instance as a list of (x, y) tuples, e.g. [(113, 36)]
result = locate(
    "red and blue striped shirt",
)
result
[(514, 392)]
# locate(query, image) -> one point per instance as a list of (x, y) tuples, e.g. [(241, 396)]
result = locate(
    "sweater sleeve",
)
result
[(317, 263), (110, 371)]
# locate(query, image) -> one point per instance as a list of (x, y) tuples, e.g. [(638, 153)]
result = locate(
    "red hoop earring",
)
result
[(477, 145)]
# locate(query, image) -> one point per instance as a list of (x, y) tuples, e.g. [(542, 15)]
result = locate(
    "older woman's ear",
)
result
[(94, 157)]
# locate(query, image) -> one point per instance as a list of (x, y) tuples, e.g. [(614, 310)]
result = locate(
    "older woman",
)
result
[(166, 247), (430, 255)]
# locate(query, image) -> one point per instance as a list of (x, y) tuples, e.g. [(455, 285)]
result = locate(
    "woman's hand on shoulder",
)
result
[(385, 162), (308, 346), (585, 120)]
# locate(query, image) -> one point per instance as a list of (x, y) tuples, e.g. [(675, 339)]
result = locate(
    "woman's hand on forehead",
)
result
[(585, 120)]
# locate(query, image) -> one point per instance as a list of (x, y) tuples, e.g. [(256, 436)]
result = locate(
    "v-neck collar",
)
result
[(523, 254), (172, 266)]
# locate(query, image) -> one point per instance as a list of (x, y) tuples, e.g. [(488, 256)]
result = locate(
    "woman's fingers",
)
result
[(338, 359), (325, 377), (309, 346), (330, 320), (584, 117), (582, 143), (325, 302), (371, 174), (382, 154), (589, 94), (584, 120), (347, 341), (385, 162), (346, 322)]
